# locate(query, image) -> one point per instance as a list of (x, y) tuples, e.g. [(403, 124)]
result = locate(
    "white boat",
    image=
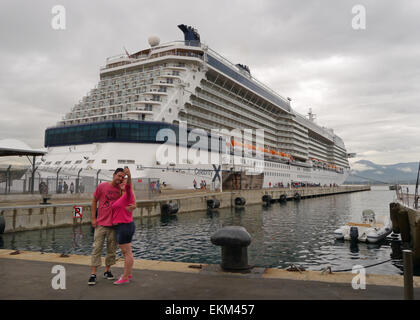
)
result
[(369, 230)]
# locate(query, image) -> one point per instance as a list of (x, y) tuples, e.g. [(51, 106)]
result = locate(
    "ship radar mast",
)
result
[(311, 116)]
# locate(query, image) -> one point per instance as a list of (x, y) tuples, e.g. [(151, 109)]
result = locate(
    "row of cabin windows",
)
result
[(104, 161), (117, 131), (278, 174)]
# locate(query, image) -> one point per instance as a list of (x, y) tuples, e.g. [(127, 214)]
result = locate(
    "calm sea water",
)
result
[(282, 234)]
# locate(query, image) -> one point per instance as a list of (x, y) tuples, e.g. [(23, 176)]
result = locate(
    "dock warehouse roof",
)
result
[(13, 147)]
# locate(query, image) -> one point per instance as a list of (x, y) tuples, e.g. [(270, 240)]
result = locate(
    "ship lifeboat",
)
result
[(368, 230)]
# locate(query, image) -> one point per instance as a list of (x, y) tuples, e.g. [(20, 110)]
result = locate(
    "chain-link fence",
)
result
[(18, 180), (15, 180)]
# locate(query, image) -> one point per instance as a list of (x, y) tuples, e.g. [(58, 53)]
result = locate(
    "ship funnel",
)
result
[(190, 34)]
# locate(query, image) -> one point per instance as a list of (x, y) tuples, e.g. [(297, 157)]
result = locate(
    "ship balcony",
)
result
[(175, 68), (94, 116), (167, 84), (147, 101), (251, 121), (138, 111), (155, 92), (110, 67), (169, 75)]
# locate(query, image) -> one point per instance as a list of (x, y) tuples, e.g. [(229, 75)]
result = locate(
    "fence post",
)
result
[(33, 175), (6, 187), (56, 181), (97, 177), (408, 274), (78, 180)]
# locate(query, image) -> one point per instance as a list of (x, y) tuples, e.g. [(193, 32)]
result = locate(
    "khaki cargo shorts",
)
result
[(102, 233)]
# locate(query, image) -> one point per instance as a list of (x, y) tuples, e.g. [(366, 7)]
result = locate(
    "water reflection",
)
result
[(77, 236), (354, 247), (167, 219), (299, 233), (212, 213), (396, 251)]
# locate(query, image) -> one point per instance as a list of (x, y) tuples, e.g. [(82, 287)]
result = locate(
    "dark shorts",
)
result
[(125, 232)]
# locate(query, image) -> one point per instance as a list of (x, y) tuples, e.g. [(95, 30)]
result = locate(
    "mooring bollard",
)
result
[(45, 198), (266, 198), (240, 201), (234, 241), (2, 224), (408, 274), (283, 198), (169, 208), (213, 204)]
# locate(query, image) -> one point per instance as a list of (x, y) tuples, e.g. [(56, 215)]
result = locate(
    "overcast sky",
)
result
[(362, 83)]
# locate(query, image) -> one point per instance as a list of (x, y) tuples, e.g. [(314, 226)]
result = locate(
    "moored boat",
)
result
[(368, 230)]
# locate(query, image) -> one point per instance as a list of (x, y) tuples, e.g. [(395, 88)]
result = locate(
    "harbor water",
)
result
[(299, 233)]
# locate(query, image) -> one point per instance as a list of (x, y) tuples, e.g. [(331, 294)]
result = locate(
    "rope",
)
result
[(347, 270)]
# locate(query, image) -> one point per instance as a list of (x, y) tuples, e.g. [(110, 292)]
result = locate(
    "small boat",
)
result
[(395, 187), (368, 230)]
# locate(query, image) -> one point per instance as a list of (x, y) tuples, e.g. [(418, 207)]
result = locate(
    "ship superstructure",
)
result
[(166, 85)]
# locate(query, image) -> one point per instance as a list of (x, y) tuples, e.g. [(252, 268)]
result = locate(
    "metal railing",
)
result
[(407, 199), (16, 180)]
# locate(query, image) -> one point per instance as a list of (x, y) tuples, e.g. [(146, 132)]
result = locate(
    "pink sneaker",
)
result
[(122, 281)]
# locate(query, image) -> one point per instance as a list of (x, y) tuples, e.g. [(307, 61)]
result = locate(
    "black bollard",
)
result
[(234, 241), (2, 224), (213, 203), (283, 198), (240, 201), (169, 208), (266, 198)]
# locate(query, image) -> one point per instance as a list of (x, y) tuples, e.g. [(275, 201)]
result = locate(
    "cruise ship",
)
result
[(157, 111)]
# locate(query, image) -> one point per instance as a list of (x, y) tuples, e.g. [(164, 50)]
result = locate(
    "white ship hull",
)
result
[(99, 161)]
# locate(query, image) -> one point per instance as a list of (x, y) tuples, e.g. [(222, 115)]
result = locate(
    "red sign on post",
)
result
[(77, 212)]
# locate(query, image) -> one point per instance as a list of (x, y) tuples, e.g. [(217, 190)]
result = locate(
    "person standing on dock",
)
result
[(122, 219), (106, 193)]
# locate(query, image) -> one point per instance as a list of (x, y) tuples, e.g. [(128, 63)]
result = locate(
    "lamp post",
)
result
[(56, 181)]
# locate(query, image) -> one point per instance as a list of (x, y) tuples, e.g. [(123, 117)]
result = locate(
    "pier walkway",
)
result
[(28, 275)]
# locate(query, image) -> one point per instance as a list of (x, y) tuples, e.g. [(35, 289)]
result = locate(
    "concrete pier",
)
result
[(35, 216), (406, 220), (28, 276)]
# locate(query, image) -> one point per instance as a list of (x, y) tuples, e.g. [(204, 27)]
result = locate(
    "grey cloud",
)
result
[(364, 84)]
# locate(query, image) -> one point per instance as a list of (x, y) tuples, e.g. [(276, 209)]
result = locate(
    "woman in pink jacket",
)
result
[(122, 219)]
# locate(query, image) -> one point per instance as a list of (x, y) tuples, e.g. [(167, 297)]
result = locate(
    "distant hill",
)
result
[(367, 171)]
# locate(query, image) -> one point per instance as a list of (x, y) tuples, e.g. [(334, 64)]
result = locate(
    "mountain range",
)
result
[(364, 171)]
